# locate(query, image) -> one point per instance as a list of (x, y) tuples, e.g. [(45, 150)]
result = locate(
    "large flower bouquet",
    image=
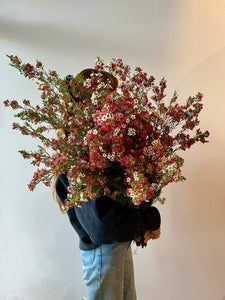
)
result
[(120, 144)]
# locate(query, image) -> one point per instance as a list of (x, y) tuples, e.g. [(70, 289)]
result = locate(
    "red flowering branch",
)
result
[(122, 145)]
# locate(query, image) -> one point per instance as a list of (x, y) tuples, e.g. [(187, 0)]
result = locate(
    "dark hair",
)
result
[(68, 78), (86, 73)]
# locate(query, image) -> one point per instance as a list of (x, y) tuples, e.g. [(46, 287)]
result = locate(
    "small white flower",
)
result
[(94, 99), (127, 120), (136, 176), (111, 156), (170, 168), (116, 131), (100, 85), (131, 131), (87, 82), (154, 186), (106, 106), (104, 118), (95, 131)]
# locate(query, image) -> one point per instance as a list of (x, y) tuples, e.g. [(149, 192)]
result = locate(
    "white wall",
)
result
[(181, 40)]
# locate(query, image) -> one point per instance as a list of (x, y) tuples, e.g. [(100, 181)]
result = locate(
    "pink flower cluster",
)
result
[(123, 145)]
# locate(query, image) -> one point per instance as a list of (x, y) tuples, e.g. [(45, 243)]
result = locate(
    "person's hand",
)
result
[(151, 234)]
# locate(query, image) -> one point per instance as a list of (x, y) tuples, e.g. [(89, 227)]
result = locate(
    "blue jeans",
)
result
[(109, 273)]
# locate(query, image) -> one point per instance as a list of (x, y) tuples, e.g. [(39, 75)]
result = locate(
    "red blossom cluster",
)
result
[(123, 145)]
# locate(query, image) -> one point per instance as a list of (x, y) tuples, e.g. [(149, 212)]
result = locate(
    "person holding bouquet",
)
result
[(106, 230), (114, 154)]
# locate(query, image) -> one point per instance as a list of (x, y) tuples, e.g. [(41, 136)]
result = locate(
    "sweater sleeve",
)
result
[(151, 218), (61, 188), (106, 221)]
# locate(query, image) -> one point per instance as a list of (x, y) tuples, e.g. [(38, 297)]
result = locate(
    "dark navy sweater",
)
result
[(105, 221)]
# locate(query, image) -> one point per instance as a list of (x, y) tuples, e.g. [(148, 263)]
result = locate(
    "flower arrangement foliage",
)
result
[(122, 145)]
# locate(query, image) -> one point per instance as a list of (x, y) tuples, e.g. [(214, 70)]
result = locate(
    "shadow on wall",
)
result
[(51, 36), (208, 78), (94, 29), (208, 75)]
